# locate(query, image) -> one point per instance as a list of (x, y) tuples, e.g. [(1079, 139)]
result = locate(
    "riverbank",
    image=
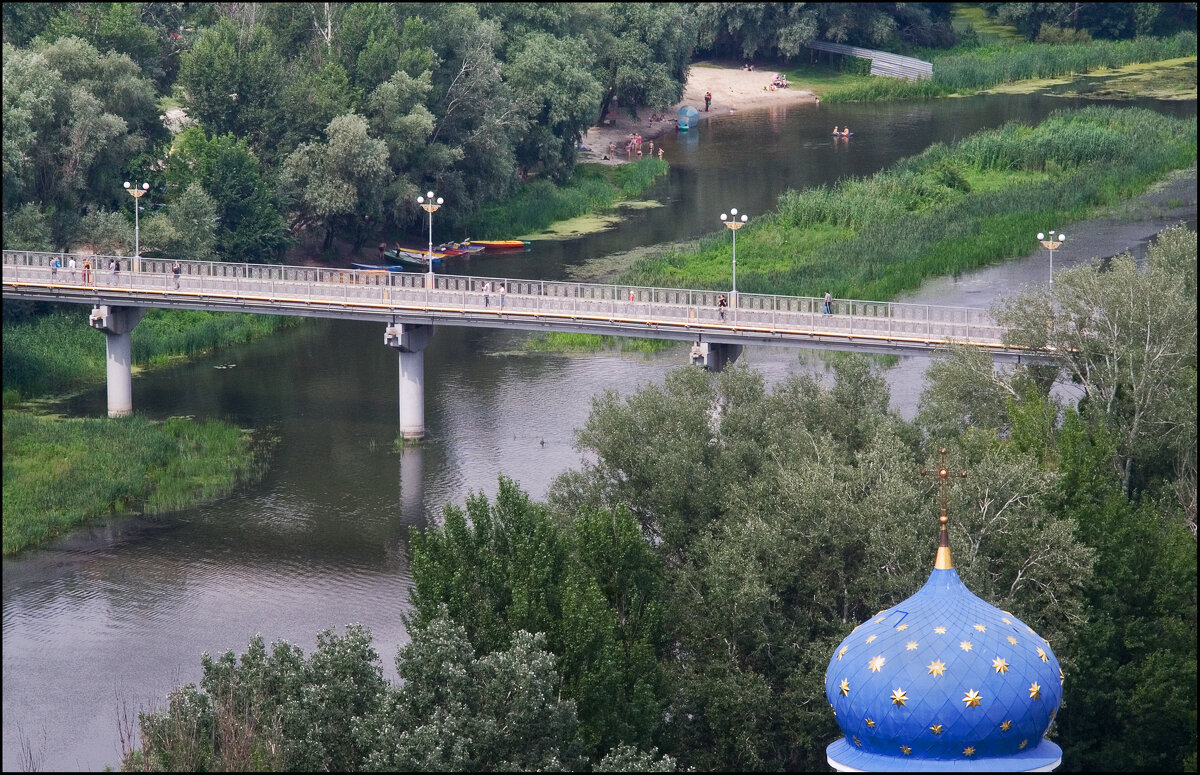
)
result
[(60, 473), (733, 89)]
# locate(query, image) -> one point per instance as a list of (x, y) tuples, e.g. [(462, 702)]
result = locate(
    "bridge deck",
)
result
[(619, 310)]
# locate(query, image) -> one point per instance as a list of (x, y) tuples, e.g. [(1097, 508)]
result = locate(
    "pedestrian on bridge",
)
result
[(55, 263), (87, 271), (722, 303), (828, 303), (175, 271), (487, 294), (500, 292), (114, 268), (71, 266)]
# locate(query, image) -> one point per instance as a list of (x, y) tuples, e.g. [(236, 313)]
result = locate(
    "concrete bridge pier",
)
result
[(715, 356), (116, 323), (410, 341)]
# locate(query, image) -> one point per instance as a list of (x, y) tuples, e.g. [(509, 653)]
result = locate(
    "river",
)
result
[(116, 615)]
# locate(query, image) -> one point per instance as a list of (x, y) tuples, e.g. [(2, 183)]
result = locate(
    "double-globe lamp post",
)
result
[(1051, 243), (430, 206), (733, 222), (137, 192)]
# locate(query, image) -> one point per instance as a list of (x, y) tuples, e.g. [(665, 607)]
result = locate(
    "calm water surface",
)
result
[(117, 615)]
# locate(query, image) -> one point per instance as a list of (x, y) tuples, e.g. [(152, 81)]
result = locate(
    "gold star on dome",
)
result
[(1060, 675), (842, 653), (844, 688), (972, 698), (856, 742), (1024, 743), (936, 667), (1005, 620), (871, 638), (940, 630), (1005, 725), (911, 645), (1042, 654), (870, 723), (936, 729), (880, 619), (876, 663), (1000, 665), (969, 750), (1012, 640), (965, 645), (981, 628), (899, 697), (1035, 691), (901, 626), (905, 750)]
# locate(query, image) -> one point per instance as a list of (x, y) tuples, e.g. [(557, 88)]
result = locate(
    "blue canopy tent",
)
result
[(688, 116)]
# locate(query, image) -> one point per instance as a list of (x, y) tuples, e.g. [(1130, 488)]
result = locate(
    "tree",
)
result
[(340, 182), (193, 218), (642, 51), (250, 226), (27, 229), (1128, 337), (556, 78), (588, 582)]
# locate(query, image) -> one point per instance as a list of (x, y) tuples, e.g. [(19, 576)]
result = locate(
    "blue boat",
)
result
[(378, 267)]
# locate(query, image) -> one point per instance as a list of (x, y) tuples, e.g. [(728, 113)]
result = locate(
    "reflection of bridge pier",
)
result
[(412, 484), (116, 323), (410, 341)]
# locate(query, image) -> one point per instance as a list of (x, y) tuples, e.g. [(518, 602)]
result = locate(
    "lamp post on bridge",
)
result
[(1051, 243), (734, 224), (430, 206), (137, 192)]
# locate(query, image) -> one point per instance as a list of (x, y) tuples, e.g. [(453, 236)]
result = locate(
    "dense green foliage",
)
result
[(60, 472), (949, 209)]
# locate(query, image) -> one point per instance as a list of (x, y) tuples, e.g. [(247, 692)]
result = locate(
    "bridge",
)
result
[(410, 305)]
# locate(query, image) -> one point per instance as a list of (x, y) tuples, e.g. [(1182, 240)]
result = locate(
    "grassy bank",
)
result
[(972, 70), (60, 472), (948, 210), (57, 354), (539, 203)]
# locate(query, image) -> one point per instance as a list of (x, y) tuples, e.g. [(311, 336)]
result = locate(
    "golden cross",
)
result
[(943, 561)]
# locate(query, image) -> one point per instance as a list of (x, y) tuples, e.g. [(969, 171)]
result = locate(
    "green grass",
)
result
[(947, 210), (989, 29), (60, 472), (539, 203)]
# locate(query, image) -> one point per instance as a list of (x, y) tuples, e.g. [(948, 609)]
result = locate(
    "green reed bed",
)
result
[(562, 341), (60, 472), (58, 353), (539, 203), (947, 210), (988, 66)]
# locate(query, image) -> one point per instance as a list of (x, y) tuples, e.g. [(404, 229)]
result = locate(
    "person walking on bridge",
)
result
[(487, 294), (722, 303), (500, 293), (175, 271), (828, 303), (71, 266)]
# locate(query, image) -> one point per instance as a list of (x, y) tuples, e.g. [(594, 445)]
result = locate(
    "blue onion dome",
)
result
[(944, 681)]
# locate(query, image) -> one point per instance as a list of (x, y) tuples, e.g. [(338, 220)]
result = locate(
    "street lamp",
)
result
[(430, 206), (137, 192), (1051, 243), (734, 223)]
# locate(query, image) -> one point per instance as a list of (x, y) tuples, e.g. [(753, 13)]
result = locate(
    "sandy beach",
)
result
[(733, 89)]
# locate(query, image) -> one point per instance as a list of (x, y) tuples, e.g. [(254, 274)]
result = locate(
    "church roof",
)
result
[(944, 681)]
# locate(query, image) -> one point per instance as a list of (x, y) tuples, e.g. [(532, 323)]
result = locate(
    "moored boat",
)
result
[(377, 267), (499, 244)]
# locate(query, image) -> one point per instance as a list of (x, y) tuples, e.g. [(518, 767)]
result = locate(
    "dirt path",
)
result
[(733, 89)]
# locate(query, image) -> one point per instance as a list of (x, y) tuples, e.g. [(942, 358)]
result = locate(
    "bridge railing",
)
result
[(647, 305)]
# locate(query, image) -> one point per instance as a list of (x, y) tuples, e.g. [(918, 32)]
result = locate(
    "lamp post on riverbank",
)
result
[(1051, 243), (137, 192), (734, 224), (430, 206)]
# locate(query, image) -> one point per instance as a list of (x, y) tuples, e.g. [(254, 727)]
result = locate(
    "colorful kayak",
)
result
[(499, 244), (459, 249), (408, 255), (377, 267)]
